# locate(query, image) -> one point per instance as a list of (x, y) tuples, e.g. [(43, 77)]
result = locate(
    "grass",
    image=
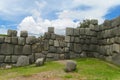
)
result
[(3, 35), (87, 69)]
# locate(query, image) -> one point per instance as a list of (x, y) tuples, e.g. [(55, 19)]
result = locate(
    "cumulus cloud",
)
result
[(66, 12)]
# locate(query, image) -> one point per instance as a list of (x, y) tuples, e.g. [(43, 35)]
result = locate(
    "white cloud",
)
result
[(34, 22)]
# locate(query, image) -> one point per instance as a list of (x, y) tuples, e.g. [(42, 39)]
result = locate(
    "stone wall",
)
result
[(12, 46), (93, 40)]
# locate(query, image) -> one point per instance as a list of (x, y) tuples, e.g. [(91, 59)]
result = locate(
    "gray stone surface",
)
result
[(56, 43), (14, 59), (38, 55), (76, 32), (9, 33), (7, 59), (116, 59), (82, 31), (47, 35), (77, 48), (39, 62), (30, 40), (69, 31), (18, 50), (77, 40), (66, 49), (70, 66), (51, 29), (116, 48), (67, 38), (8, 39), (27, 49), (22, 61), (62, 56), (2, 39), (7, 49), (12, 33), (23, 34), (21, 41), (51, 42), (53, 36), (46, 45), (15, 40), (52, 49), (2, 58)]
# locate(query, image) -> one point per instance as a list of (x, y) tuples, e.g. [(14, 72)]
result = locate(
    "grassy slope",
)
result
[(88, 69)]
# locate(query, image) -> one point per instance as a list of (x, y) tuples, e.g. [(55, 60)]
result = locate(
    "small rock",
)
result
[(70, 66), (39, 62)]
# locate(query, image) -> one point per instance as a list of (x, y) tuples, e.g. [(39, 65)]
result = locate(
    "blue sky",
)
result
[(36, 16)]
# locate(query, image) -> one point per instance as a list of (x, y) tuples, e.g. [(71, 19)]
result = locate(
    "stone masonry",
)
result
[(93, 40)]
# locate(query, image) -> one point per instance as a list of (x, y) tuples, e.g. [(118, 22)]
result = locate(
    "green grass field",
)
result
[(87, 69)]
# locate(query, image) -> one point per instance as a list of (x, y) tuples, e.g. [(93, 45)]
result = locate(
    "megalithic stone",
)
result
[(51, 29), (23, 34)]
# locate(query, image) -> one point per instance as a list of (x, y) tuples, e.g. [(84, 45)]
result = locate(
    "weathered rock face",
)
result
[(24, 34), (22, 61), (39, 62), (70, 66), (88, 40), (30, 40)]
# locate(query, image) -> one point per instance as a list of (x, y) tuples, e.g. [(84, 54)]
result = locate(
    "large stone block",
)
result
[(32, 58), (12, 33), (72, 39), (7, 49), (66, 49), (69, 31), (22, 61), (21, 41), (15, 40), (82, 31), (27, 49), (60, 50), (2, 58), (77, 48), (2, 39), (76, 32), (116, 48), (39, 55), (46, 45), (77, 40), (87, 31), (30, 40), (51, 42), (117, 40), (7, 59), (52, 49), (8, 39), (23, 34), (94, 40), (67, 38), (47, 35), (53, 36), (51, 29), (56, 43), (116, 22), (62, 43), (14, 59), (18, 50)]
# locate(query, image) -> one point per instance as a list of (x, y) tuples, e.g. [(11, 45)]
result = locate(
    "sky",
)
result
[(36, 16)]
